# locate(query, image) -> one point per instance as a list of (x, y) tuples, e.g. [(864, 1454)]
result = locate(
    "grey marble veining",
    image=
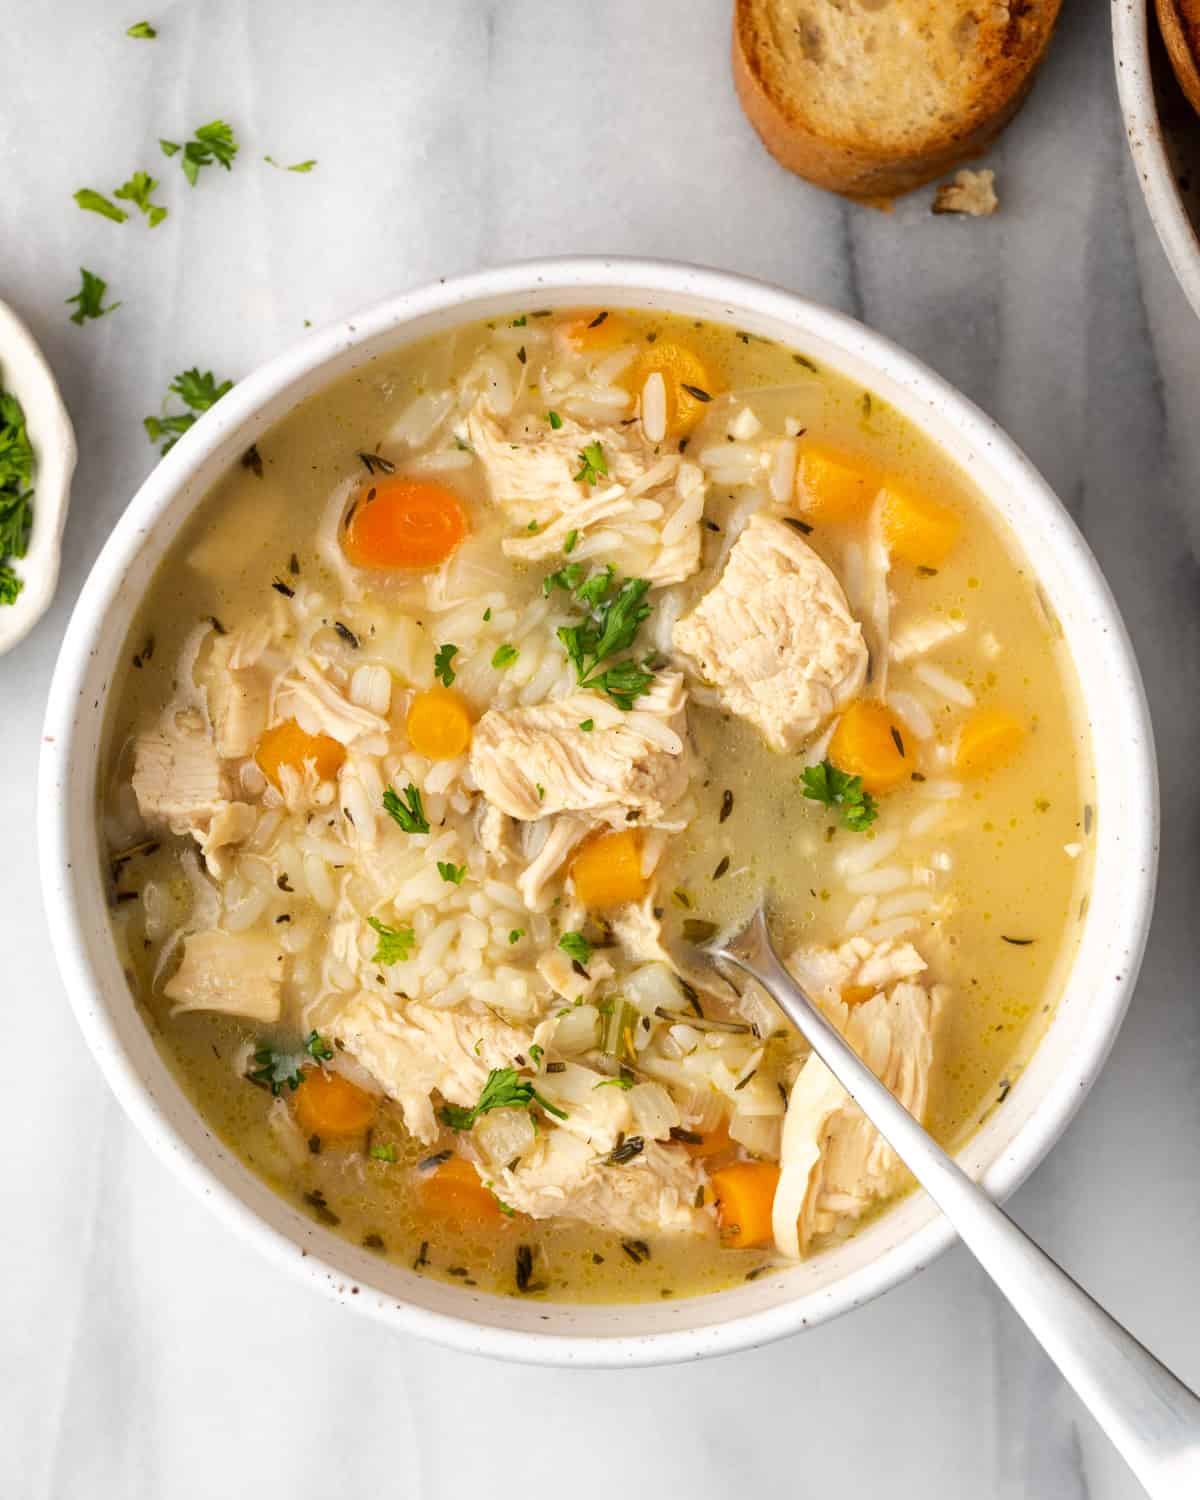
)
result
[(148, 1355)]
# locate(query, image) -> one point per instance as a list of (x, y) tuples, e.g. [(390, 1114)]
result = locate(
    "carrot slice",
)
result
[(607, 870), (332, 1107), (455, 1192), (745, 1195), (595, 330), (287, 744), (439, 724), (404, 522), (868, 742), (917, 529), (689, 382), (834, 486), (712, 1142), (990, 737)]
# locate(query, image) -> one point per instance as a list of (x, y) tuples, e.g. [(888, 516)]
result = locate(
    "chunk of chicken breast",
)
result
[(835, 1164), (238, 973), (643, 511), (776, 636), (533, 762), (178, 778), (238, 689)]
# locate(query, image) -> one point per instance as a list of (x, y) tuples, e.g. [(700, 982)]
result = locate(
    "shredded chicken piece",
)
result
[(924, 634), (533, 762), (238, 973), (532, 476), (776, 636), (238, 691), (177, 774), (319, 706), (564, 834), (834, 1162)]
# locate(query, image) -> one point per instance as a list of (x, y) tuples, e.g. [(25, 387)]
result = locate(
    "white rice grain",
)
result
[(944, 683), (869, 853), (654, 408), (876, 882)]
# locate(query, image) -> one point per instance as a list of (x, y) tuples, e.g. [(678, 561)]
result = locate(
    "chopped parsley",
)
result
[(844, 793), (451, 874), (97, 203), (614, 615), (137, 191), (516, 935), (276, 1070), (569, 544), (576, 947), (587, 725), (383, 1153), (487, 614), (16, 493), (536, 1053), (142, 31), (592, 465), (613, 1083), (504, 657), (317, 1047), (299, 166), (554, 419), (212, 143), (395, 943), (89, 299), (406, 808), (198, 390), (442, 669), (504, 1089)]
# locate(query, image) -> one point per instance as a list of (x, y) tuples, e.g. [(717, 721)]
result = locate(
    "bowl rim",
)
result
[(628, 279), (1144, 134)]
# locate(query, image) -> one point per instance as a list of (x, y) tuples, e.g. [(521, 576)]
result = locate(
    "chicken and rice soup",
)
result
[(496, 677)]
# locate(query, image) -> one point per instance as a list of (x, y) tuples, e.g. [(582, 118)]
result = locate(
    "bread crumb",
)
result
[(971, 193)]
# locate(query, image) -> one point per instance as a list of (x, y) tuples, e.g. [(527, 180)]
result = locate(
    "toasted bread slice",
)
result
[(874, 97), (1179, 22)]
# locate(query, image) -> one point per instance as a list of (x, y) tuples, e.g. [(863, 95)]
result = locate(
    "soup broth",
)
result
[(416, 810)]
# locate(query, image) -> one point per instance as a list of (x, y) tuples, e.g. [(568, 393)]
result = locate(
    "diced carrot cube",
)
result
[(917, 529), (834, 486), (689, 382), (329, 1105), (454, 1191), (607, 870), (595, 330), (745, 1196), (990, 737), (868, 742)]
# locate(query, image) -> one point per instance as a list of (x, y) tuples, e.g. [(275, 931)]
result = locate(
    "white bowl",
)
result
[(25, 374), (1163, 131), (1017, 1134)]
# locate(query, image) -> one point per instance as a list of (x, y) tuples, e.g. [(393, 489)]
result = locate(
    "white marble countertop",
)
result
[(148, 1356)]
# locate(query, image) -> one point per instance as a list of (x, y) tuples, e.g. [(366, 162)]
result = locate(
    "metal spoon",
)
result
[(1151, 1417)]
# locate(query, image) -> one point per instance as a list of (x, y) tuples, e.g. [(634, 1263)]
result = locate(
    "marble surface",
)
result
[(148, 1356)]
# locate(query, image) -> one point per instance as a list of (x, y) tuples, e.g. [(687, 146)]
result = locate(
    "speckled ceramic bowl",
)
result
[(1018, 1132), (1163, 131)]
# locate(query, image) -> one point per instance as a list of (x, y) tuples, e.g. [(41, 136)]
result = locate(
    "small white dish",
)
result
[(1013, 1138), (25, 374), (1164, 136)]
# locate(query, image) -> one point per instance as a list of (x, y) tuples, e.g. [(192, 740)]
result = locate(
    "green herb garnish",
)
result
[(504, 1089), (300, 166), (554, 419), (576, 947), (142, 31), (137, 191), (592, 465), (276, 1070), (198, 390), (442, 669), (504, 657), (835, 789), (615, 613), (395, 943), (97, 203), (516, 935), (383, 1153), (451, 874), (16, 494), (89, 298), (569, 544), (210, 143), (406, 809), (317, 1047)]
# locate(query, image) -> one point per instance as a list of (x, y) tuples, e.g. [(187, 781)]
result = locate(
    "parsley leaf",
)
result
[(395, 943), (835, 789), (210, 143), (16, 493), (406, 809), (587, 725), (554, 419), (592, 465), (383, 1153), (613, 1083), (276, 1070), (504, 1089), (317, 1047), (142, 31), (576, 947), (516, 935), (504, 657), (197, 390), (299, 166), (569, 544), (442, 669), (137, 191), (536, 1053), (451, 874), (90, 297), (97, 203), (615, 615), (568, 578)]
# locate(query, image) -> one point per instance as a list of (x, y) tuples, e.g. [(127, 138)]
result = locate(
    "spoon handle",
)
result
[(1151, 1417)]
